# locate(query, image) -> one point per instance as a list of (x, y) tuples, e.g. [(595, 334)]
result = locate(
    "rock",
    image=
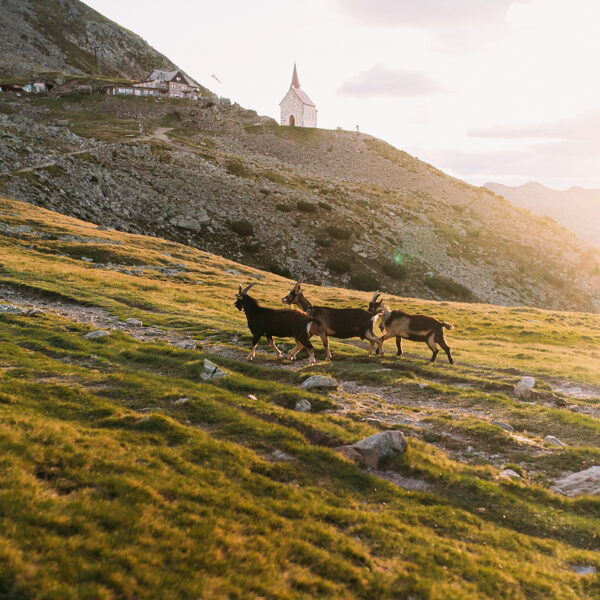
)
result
[(232, 272), (86, 259), (212, 371), (583, 569), (11, 310), (373, 421), (550, 439), (372, 449), (510, 474), (133, 322), (523, 387), (504, 426), (251, 397), (186, 344), (194, 223), (319, 381), (257, 276), (422, 385), (180, 401), (99, 333), (582, 482), (303, 405), (280, 455)]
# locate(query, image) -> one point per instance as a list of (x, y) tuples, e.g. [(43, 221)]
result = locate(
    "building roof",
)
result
[(157, 74), (295, 87)]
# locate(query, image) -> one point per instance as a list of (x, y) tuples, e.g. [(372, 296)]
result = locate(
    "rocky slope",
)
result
[(69, 37), (331, 207), (577, 209)]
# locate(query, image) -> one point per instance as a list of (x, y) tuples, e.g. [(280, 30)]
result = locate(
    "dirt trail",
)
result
[(159, 134)]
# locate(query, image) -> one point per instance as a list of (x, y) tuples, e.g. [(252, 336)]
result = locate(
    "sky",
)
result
[(486, 90)]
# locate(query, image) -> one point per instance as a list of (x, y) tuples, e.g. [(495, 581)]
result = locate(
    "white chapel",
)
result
[(297, 109)]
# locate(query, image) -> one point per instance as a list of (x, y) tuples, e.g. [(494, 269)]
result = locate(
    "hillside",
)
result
[(331, 207), (577, 209), (68, 37), (124, 472)]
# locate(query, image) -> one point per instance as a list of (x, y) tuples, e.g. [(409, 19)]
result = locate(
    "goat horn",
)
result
[(246, 290), (240, 290), (375, 295)]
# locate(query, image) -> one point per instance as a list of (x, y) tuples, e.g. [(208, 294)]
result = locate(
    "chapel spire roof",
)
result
[(295, 82)]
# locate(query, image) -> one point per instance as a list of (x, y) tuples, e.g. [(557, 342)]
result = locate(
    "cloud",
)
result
[(557, 163), (585, 126), (379, 81), (426, 13)]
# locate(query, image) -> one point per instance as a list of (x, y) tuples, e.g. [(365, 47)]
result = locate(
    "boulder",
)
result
[(133, 322), (319, 381), (504, 426), (510, 474), (582, 482), (523, 389), (94, 335), (212, 371), (369, 451), (550, 439), (303, 405)]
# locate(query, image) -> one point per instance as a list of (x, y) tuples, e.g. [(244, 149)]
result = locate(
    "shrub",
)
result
[(449, 287), (364, 282), (338, 265), (237, 168), (283, 207), (395, 271), (324, 205), (323, 240), (251, 247), (242, 227), (279, 270), (307, 207), (338, 233)]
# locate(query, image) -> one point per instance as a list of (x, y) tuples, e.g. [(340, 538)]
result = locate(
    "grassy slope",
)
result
[(100, 500)]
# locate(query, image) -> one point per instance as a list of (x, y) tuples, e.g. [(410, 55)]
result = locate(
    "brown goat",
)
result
[(416, 328), (337, 322)]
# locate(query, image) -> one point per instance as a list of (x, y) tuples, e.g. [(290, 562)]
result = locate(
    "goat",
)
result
[(336, 322), (275, 322), (416, 328)]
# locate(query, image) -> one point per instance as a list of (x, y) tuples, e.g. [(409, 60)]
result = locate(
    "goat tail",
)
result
[(447, 326)]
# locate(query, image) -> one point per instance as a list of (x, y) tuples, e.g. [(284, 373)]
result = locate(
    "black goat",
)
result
[(273, 322), (416, 328), (336, 322)]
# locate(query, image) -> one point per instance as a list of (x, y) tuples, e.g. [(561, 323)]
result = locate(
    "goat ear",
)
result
[(297, 286), (247, 288)]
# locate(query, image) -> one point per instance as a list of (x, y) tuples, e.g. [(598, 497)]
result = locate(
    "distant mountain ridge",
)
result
[(578, 209), (69, 37)]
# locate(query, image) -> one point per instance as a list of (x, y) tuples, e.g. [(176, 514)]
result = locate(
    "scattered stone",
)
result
[(186, 344), (280, 455), (10, 309), (180, 401), (199, 282), (257, 276), (372, 449), (406, 483), (510, 474), (372, 421), (99, 333), (523, 387), (212, 371), (232, 272), (550, 439), (523, 440), (86, 259), (504, 426), (303, 405), (319, 381), (133, 322), (583, 569), (422, 385), (582, 482), (252, 397)]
